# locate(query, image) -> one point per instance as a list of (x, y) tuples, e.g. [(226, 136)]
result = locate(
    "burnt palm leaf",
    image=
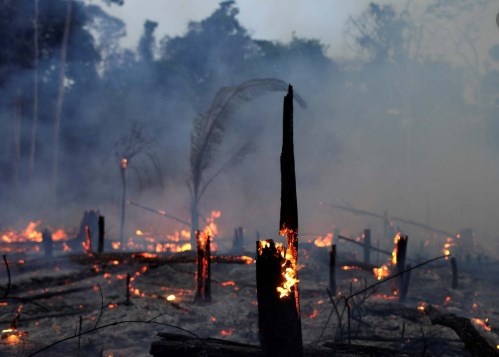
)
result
[(209, 127)]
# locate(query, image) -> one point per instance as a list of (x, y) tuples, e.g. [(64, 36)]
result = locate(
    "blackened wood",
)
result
[(401, 254), (472, 339), (100, 247), (367, 246), (172, 344), (279, 322), (454, 273), (47, 243), (332, 270), (289, 206), (127, 300), (199, 267), (288, 219), (405, 286), (207, 262), (203, 284), (88, 240)]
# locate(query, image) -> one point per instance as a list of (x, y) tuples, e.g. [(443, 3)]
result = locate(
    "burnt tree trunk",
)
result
[(278, 320), (401, 254), (454, 273), (203, 283), (100, 247), (288, 222), (47, 243), (332, 270), (278, 303), (367, 246)]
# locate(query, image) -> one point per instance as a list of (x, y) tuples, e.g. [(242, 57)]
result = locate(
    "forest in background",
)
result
[(409, 125)]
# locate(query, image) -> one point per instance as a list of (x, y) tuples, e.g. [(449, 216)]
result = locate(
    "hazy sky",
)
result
[(320, 19)]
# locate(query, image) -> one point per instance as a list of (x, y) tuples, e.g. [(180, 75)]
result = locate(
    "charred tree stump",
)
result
[(100, 247), (89, 221), (127, 300), (405, 286), (400, 256), (87, 245), (279, 321), (47, 243), (203, 283), (332, 270), (367, 246), (453, 263)]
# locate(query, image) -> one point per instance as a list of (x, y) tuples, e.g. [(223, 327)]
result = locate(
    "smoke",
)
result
[(401, 136)]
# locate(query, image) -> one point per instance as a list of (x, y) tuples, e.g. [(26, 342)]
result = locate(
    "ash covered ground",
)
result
[(377, 317)]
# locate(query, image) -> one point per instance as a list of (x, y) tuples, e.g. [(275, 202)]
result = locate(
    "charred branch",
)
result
[(473, 341)]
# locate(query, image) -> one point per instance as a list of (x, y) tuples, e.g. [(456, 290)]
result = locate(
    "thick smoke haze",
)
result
[(407, 124)]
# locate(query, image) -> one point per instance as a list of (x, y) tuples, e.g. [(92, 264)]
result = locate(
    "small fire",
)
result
[(170, 298), (422, 306), (228, 283), (449, 242), (124, 163), (325, 241), (12, 336), (248, 260), (228, 332), (351, 267), (289, 273), (394, 252), (381, 272), (483, 323), (31, 233), (314, 314)]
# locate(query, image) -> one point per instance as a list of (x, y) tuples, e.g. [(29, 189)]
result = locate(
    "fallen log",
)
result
[(473, 341), (172, 344)]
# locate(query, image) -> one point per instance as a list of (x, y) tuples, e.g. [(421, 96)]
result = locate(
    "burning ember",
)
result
[(170, 297), (325, 241), (289, 273), (348, 267), (483, 323), (449, 242), (381, 272), (394, 252), (12, 336)]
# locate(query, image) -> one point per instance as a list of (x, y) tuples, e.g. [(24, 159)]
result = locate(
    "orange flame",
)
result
[(449, 242), (394, 252), (349, 267), (325, 241), (289, 272), (483, 323), (381, 272)]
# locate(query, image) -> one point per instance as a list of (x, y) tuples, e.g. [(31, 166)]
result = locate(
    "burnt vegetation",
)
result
[(167, 145)]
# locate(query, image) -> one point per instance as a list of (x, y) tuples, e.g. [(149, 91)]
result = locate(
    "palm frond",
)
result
[(209, 128)]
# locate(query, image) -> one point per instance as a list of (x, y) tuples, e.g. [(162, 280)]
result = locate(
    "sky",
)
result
[(321, 19)]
